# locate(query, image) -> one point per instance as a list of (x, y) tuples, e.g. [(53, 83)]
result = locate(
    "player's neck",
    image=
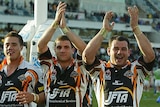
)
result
[(65, 64), (11, 67)]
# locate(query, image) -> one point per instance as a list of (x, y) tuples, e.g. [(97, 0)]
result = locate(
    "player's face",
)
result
[(64, 51), (12, 48), (119, 53)]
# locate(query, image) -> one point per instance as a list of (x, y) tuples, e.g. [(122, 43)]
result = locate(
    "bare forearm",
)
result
[(94, 44), (144, 46), (76, 40), (92, 48), (46, 37)]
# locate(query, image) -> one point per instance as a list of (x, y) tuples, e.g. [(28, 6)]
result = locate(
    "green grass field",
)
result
[(149, 99)]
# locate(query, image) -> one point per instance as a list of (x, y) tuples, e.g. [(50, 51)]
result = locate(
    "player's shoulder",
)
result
[(28, 65)]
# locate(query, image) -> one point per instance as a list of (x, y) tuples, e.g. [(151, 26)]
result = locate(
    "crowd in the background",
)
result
[(28, 10), (156, 24), (12, 9), (140, 59), (157, 52)]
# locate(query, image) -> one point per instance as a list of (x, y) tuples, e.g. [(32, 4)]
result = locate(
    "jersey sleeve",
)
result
[(33, 75), (148, 66)]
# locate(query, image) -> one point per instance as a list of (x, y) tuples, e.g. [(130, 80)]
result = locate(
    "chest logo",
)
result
[(22, 77), (61, 93), (9, 83), (74, 74), (118, 96), (128, 74), (108, 75)]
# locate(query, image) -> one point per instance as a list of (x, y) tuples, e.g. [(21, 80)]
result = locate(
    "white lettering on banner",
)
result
[(119, 96), (60, 92), (10, 95)]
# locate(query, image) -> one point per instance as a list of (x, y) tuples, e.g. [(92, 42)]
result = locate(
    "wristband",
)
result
[(35, 97), (65, 30), (137, 30), (55, 25), (103, 32)]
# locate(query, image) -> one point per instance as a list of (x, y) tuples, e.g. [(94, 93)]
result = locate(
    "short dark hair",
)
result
[(63, 38), (15, 34), (119, 38)]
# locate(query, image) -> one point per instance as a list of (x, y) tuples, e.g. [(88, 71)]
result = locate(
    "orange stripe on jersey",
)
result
[(4, 62), (1, 66), (49, 73), (135, 85), (34, 74), (88, 100), (26, 82), (108, 65), (79, 76), (29, 79), (135, 78), (101, 76), (101, 87)]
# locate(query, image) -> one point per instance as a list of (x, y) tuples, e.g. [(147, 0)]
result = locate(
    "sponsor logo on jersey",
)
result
[(117, 96), (61, 93), (9, 83), (61, 83), (117, 82), (8, 96), (61, 96)]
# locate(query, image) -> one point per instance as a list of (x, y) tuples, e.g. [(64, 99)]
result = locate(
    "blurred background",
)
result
[(85, 17)]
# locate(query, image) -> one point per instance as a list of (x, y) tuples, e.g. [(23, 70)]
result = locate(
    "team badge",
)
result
[(73, 74), (128, 74), (22, 77), (54, 73), (108, 75)]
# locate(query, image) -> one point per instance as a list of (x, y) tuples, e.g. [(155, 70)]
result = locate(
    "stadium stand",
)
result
[(85, 16)]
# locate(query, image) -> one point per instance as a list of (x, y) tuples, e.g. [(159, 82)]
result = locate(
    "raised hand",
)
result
[(133, 12), (62, 21), (106, 21), (60, 9)]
